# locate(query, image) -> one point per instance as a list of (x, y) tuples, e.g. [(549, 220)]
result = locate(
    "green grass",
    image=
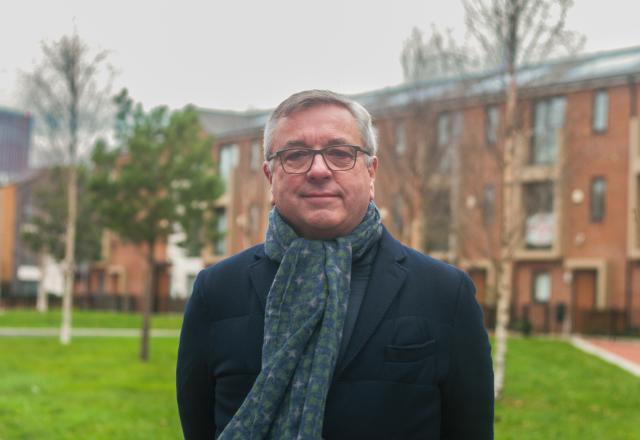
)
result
[(554, 391), (85, 318), (96, 388)]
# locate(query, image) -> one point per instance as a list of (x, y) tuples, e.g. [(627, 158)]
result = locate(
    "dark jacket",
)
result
[(417, 366)]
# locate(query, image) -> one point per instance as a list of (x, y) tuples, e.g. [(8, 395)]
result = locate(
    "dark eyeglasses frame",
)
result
[(321, 152)]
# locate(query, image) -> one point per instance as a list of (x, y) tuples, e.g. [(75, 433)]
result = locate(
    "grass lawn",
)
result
[(554, 391), (86, 318), (96, 388)]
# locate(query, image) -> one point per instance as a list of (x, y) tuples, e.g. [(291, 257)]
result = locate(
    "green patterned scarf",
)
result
[(305, 313)]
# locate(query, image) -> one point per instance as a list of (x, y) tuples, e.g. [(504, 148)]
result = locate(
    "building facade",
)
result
[(570, 234), (15, 142), (22, 270)]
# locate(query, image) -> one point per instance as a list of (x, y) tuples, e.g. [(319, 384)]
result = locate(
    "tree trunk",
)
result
[(146, 304), (72, 203), (507, 236), (67, 297), (42, 302)]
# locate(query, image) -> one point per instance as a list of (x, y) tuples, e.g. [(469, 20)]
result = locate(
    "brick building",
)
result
[(21, 269), (575, 245)]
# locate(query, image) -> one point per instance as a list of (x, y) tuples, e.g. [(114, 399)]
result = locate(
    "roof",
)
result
[(564, 72), (4, 111), (225, 122)]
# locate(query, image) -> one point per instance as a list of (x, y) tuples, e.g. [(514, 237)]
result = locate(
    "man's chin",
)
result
[(321, 226)]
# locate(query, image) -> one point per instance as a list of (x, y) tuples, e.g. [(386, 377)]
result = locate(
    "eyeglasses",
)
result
[(297, 160)]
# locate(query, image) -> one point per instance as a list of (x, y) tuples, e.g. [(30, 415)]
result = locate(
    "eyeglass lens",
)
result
[(337, 158)]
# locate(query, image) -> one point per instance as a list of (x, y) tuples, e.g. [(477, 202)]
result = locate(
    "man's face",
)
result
[(321, 204)]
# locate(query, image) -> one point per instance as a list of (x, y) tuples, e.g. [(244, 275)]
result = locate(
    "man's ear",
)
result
[(269, 175), (372, 168), (267, 171)]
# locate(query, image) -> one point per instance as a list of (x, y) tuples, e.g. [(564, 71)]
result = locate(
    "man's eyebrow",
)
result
[(290, 144), (336, 141), (303, 144)]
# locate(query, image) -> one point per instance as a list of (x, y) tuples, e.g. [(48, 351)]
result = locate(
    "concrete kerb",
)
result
[(605, 355)]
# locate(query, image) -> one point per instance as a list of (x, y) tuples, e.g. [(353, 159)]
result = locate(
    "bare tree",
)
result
[(511, 33), (438, 57), (68, 95), (502, 35)]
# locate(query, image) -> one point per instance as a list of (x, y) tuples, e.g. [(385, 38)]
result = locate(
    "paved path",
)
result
[(625, 353), (85, 332)]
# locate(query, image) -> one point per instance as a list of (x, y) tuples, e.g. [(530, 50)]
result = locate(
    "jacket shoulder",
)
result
[(421, 263), (439, 283), (233, 265)]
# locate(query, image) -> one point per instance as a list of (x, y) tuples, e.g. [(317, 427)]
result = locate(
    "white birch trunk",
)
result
[(67, 297), (42, 301), (507, 236)]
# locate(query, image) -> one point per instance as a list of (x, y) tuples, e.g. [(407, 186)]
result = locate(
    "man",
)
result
[(332, 329)]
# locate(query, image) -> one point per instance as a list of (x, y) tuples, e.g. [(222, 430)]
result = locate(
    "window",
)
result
[(491, 124), (228, 161), (548, 120), (541, 287), (27, 288), (597, 199), (438, 219), (600, 111), (488, 204), (540, 218), (400, 138), (444, 129), (256, 155), (449, 130), (220, 243)]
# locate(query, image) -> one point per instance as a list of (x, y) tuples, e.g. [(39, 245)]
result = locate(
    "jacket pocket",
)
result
[(409, 353)]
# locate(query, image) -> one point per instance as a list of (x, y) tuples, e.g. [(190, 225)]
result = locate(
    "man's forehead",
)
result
[(326, 108), (332, 120)]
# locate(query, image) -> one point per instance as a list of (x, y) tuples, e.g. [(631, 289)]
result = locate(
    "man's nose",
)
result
[(319, 168)]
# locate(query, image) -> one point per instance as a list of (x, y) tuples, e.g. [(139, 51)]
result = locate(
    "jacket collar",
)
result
[(387, 276)]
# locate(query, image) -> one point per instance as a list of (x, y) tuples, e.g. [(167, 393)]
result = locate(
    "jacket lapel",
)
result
[(262, 273), (387, 276)]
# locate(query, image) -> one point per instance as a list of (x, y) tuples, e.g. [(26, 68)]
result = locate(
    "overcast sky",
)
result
[(252, 54)]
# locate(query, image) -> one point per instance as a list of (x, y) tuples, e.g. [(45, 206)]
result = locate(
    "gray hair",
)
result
[(311, 98)]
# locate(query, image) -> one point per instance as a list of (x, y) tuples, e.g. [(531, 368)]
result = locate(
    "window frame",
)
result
[(527, 198), (543, 143), (534, 277), (491, 125), (255, 154), (400, 148), (488, 210), (227, 174), (597, 217), (219, 247), (605, 110)]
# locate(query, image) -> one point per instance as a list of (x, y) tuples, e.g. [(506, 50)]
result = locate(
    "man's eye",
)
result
[(296, 155), (340, 153)]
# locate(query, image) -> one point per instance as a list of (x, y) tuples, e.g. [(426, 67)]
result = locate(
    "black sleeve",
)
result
[(194, 385), (467, 406)]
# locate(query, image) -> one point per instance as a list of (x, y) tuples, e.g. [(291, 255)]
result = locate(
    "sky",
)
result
[(241, 54)]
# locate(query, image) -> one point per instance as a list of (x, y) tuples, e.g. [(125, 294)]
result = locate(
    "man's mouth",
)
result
[(319, 195)]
